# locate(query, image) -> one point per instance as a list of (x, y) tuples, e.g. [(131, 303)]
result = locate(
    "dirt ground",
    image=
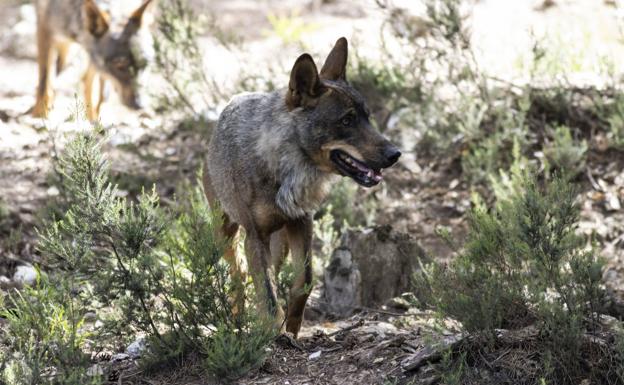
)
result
[(418, 195)]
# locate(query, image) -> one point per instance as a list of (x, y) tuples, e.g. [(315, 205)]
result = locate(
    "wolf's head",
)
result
[(333, 125), (120, 51)]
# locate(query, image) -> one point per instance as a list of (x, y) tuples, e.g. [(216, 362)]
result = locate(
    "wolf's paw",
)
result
[(40, 110), (287, 340)]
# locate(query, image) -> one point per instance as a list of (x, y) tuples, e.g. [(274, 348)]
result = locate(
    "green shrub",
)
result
[(46, 336), (564, 153), (615, 120), (524, 264), (231, 353), (144, 269), (179, 60)]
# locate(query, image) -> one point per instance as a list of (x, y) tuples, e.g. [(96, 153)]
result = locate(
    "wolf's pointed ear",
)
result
[(96, 21), (137, 16), (335, 67), (305, 85)]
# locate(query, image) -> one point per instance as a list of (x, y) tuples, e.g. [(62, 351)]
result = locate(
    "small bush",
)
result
[(524, 264), (144, 269), (180, 60), (229, 354), (564, 153), (349, 206), (46, 337)]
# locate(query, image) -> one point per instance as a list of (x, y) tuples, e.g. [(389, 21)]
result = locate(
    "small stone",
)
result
[(398, 303), (53, 191), (95, 370), (314, 355), (137, 348), (26, 275), (612, 202), (90, 316)]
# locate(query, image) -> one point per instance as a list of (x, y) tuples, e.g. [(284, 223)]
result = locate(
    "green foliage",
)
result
[(490, 137), (448, 18), (46, 336), (231, 353), (145, 269), (564, 153), (290, 29), (615, 119), (349, 205), (452, 368), (325, 233), (179, 59), (524, 263)]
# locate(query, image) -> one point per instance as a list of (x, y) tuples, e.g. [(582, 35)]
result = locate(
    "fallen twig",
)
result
[(356, 325)]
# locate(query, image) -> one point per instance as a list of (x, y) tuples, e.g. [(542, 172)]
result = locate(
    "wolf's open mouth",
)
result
[(357, 170)]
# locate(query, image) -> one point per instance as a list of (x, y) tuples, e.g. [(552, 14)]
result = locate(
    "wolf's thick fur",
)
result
[(271, 160), (118, 47)]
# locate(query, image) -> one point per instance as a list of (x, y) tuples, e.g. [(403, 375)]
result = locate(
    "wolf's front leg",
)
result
[(258, 253), (299, 239)]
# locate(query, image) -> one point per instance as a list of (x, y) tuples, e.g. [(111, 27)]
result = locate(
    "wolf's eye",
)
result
[(347, 120)]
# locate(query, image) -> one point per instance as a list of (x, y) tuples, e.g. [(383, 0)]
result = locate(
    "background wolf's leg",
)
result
[(299, 240), (258, 253), (87, 83), (102, 82), (44, 60)]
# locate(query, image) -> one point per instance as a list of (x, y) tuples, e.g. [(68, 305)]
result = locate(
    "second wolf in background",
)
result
[(119, 49)]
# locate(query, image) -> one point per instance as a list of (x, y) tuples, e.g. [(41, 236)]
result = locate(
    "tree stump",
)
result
[(370, 267)]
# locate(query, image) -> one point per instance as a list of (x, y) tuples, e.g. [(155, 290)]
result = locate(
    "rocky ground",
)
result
[(418, 195)]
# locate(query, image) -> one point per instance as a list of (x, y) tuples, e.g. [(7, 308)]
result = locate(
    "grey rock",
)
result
[(136, 349), (25, 275)]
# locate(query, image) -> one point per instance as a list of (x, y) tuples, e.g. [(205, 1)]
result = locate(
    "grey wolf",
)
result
[(118, 48), (270, 163)]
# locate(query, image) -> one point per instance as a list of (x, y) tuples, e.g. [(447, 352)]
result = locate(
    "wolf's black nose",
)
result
[(392, 154)]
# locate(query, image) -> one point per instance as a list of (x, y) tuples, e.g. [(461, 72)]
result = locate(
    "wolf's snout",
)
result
[(392, 155)]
